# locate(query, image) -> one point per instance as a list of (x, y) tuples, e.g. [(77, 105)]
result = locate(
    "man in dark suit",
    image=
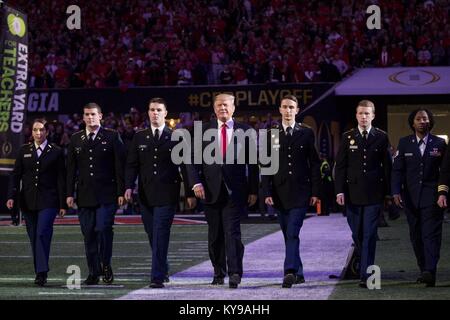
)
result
[(362, 171), (41, 169), (415, 177), (296, 184), (227, 186), (149, 159), (95, 173)]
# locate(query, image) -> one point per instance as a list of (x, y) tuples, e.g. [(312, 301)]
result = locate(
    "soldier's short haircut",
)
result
[(42, 121), (413, 114), (93, 105), (367, 104), (291, 97), (158, 100)]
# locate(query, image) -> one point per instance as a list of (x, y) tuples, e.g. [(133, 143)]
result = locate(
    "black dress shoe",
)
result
[(429, 279), (41, 279), (288, 280), (108, 276), (299, 279), (234, 280), (156, 284), (362, 284), (91, 280), (166, 279), (382, 223), (420, 279), (218, 281)]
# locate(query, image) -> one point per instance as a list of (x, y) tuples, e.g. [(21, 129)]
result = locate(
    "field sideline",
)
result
[(188, 248)]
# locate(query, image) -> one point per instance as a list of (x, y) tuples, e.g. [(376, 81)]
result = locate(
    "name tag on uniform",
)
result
[(142, 146), (435, 153), (408, 154), (353, 147), (28, 155)]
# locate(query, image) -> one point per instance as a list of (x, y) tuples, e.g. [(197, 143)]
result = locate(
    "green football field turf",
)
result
[(399, 270), (131, 259), (188, 247)]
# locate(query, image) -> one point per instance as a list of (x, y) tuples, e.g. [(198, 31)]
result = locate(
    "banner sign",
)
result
[(179, 99), (13, 83)]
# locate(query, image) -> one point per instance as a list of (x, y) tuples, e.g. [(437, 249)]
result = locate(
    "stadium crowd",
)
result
[(128, 123), (185, 42)]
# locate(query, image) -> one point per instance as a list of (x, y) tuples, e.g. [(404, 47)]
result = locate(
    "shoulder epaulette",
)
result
[(79, 132), (275, 126), (54, 145), (378, 129), (349, 131), (304, 125)]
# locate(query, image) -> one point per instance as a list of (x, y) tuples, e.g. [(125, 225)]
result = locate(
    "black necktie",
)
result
[(91, 137), (37, 151), (289, 131), (364, 135), (156, 135), (421, 142)]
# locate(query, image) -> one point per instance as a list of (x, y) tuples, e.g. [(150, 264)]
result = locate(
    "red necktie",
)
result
[(224, 140)]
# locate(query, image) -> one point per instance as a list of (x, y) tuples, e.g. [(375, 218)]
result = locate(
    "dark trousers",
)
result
[(97, 228), (40, 232), (425, 232), (291, 222), (363, 221), (224, 235), (157, 223), (326, 197)]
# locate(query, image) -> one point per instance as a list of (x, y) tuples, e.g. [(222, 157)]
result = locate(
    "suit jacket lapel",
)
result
[(358, 137), (372, 136), (298, 131), (99, 137), (47, 149), (164, 136), (33, 151), (428, 146), (416, 146)]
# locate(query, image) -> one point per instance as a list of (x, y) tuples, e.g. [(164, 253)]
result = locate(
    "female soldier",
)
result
[(40, 167)]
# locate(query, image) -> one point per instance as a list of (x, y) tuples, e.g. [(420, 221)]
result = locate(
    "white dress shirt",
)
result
[(95, 133), (160, 129), (424, 144), (42, 146)]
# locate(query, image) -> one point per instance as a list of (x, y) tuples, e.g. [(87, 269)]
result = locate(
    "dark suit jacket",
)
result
[(96, 172), (240, 178), (159, 177), (416, 175), (298, 177), (363, 169), (43, 179)]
